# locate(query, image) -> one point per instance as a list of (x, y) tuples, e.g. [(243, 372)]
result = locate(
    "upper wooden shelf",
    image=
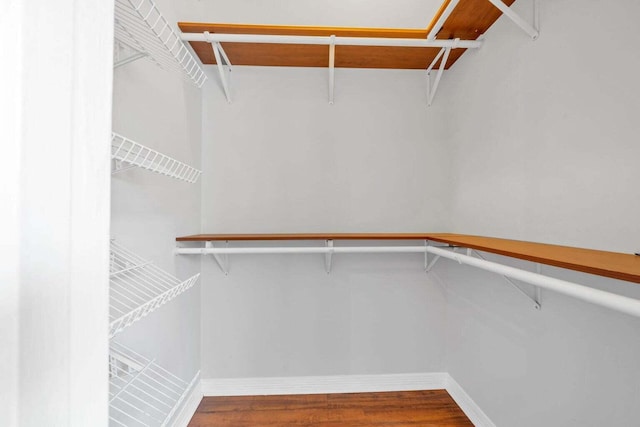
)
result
[(608, 264), (302, 236), (469, 20)]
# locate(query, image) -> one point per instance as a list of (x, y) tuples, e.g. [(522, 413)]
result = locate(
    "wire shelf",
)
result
[(137, 287), (132, 154), (140, 26), (141, 393)]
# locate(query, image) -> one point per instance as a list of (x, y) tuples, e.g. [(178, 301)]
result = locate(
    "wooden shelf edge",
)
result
[(302, 30), (303, 236), (614, 265)]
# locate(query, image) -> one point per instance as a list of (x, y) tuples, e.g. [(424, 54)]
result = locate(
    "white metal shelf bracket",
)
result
[(221, 259), (534, 301), (224, 56), (120, 166), (332, 63), (133, 54), (218, 52), (531, 30), (428, 265), (431, 90), (327, 256)]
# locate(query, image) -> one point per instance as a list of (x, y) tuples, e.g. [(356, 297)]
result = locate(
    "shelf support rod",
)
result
[(327, 256), (431, 91), (221, 260), (332, 61), (326, 40), (443, 18), (223, 77), (517, 19), (536, 303)]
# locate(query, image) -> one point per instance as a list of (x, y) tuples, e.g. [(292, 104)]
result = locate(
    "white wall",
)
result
[(160, 110), (281, 159), (545, 135), (544, 140)]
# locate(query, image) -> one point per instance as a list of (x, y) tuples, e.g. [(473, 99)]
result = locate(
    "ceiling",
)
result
[(469, 20), (333, 13)]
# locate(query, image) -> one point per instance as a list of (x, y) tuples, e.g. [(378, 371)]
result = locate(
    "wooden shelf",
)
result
[(608, 264), (468, 21), (302, 236), (602, 263), (291, 55)]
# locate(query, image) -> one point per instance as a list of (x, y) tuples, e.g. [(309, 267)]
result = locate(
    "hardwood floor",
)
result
[(407, 408)]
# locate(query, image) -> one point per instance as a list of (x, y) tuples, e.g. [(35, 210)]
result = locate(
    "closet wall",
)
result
[(160, 110), (544, 139), (281, 159)]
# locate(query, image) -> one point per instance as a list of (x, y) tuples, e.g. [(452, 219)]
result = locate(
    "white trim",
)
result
[(323, 384), (11, 81), (344, 384), (63, 126), (467, 404), (190, 405)]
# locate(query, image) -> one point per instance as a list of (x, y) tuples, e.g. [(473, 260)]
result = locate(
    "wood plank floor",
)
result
[(408, 408)]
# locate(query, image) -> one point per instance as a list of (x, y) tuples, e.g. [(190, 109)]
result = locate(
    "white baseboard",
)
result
[(323, 384), (189, 406), (467, 404), (346, 384)]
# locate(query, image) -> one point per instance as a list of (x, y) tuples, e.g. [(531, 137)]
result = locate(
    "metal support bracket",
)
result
[(426, 255), (134, 54), (120, 166), (128, 59), (431, 89), (531, 30), (225, 58), (535, 301), (429, 265), (332, 63), (221, 260), (327, 256), (218, 52)]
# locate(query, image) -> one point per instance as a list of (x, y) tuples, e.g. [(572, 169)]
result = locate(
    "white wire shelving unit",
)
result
[(128, 154), (138, 287), (141, 28), (142, 393)]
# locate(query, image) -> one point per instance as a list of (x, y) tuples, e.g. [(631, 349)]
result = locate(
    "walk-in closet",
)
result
[(336, 213)]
